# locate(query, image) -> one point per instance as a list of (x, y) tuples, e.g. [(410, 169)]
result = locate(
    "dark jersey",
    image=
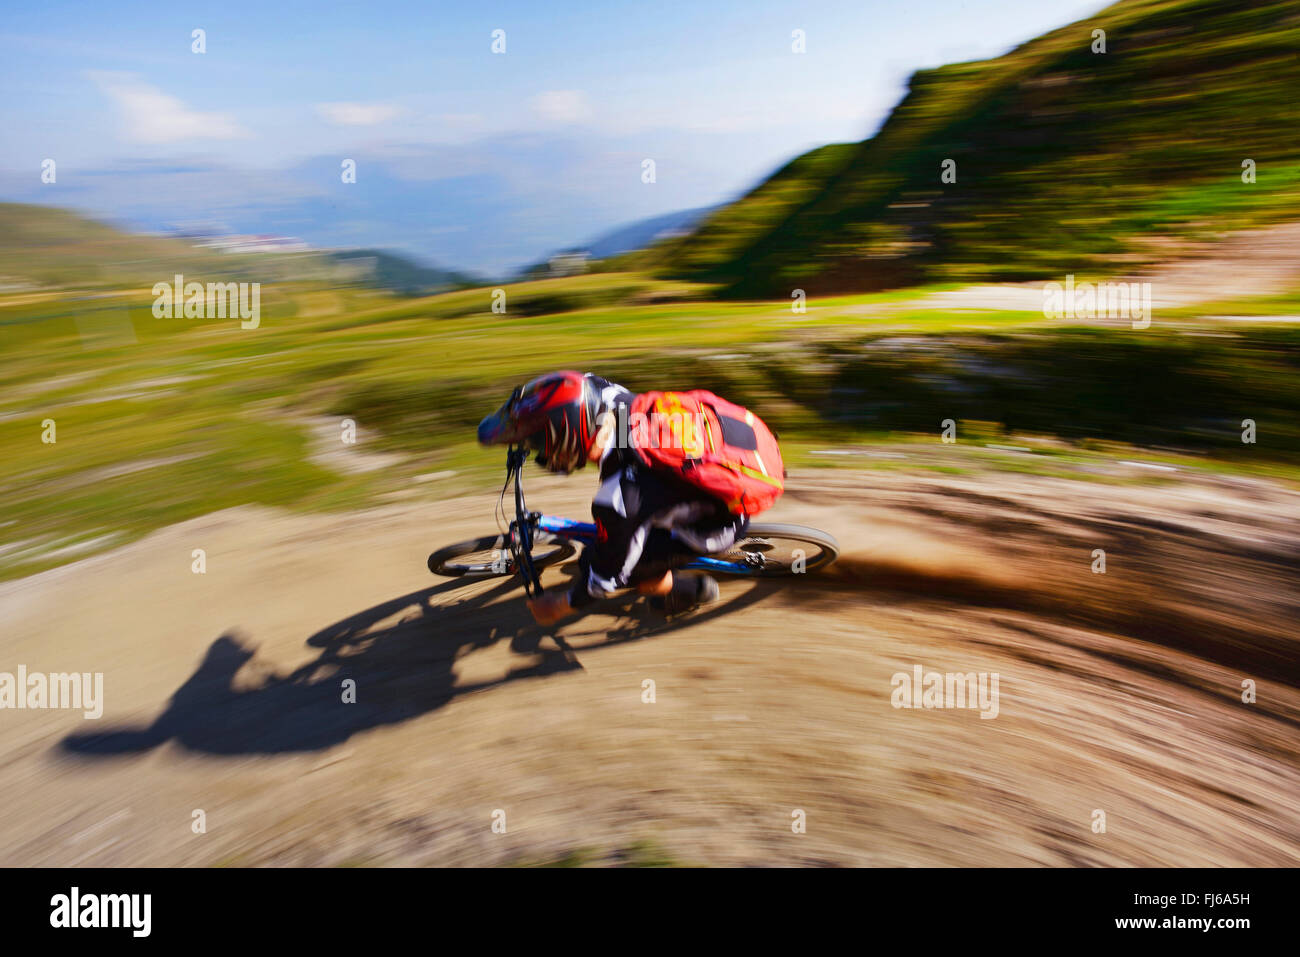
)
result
[(647, 522)]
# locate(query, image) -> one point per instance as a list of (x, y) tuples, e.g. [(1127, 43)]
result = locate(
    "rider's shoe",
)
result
[(688, 592)]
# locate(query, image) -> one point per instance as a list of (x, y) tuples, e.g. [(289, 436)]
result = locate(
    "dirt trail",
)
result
[(1118, 693), (1249, 262)]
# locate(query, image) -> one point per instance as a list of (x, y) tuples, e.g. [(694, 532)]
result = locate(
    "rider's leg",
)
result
[(657, 586), (687, 591), (669, 591), (675, 592)]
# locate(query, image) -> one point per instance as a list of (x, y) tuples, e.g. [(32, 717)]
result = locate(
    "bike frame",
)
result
[(585, 532), (527, 525)]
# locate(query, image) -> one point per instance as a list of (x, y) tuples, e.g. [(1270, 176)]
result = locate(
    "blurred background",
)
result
[(843, 215)]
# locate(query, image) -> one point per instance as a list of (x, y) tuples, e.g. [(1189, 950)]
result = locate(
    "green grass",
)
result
[(162, 420)]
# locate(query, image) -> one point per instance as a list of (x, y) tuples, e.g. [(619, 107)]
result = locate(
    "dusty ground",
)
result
[(1119, 692), (1249, 262)]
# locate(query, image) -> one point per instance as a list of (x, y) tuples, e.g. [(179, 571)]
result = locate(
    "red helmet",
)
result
[(555, 415)]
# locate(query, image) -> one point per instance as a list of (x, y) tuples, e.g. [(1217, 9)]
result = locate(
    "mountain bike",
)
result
[(533, 541)]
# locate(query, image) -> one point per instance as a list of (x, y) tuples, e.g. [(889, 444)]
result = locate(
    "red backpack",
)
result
[(718, 446)]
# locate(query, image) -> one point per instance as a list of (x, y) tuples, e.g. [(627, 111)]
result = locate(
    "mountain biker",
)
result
[(648, 519)]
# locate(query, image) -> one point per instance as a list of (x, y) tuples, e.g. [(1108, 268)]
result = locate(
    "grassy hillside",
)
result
[(726, 233), (41, 246), (160, 420), (1065, 158), (399, 274), (46, 248)]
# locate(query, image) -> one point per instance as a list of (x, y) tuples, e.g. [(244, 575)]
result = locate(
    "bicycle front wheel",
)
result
[(490, 556)]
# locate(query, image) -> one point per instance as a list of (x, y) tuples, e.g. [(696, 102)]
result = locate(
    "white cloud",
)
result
[(562, 106), (152, 116), (358, 114)]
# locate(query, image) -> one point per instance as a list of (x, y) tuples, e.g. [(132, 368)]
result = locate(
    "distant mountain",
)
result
[(488, 206), (42, 246), (401, 274), (1059, 156), (639, 235), (629, 238)]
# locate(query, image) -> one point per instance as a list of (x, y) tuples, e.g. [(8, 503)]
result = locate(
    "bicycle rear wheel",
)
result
[(771, 551), (490, 556)]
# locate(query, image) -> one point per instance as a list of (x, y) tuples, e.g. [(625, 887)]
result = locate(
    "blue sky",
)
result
[(711, 91)]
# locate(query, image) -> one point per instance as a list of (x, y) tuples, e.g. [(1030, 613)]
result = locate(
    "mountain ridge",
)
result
[(1064, 158)]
